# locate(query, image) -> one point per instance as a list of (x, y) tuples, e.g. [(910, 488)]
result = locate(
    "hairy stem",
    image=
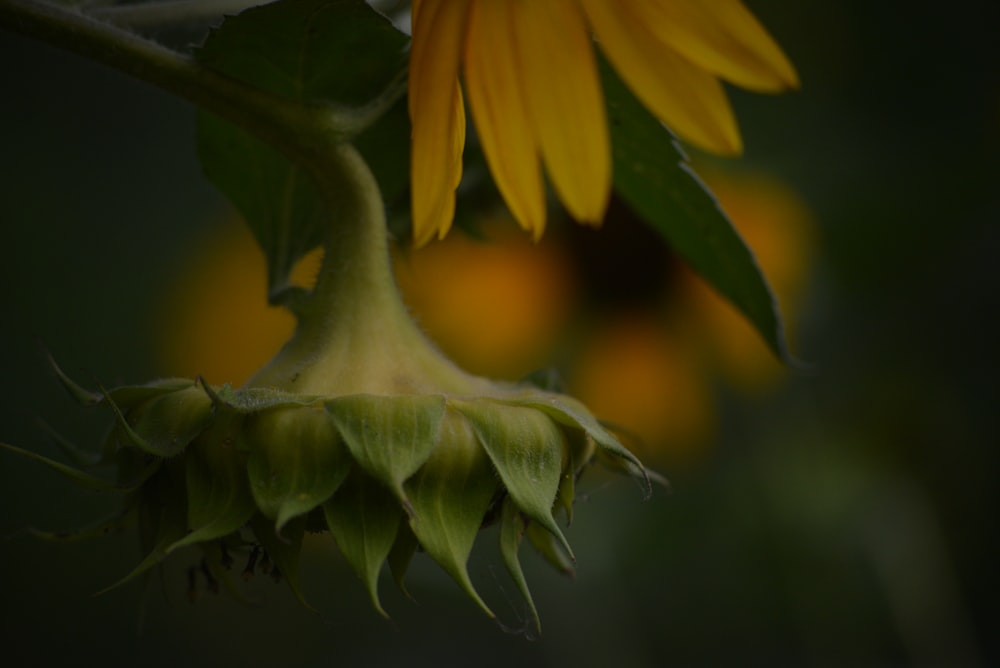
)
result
[(355, 335)]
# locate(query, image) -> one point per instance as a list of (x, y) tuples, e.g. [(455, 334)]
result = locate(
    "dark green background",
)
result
[(846, 521)]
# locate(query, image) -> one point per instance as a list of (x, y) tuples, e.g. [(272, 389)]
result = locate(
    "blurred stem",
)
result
[(295, 128), (171, 12)]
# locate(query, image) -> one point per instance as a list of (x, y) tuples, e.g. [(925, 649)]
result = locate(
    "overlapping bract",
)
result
[(251, 469)]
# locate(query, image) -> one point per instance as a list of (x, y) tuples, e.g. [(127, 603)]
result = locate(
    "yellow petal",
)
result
[(559, 75), (436, 113), (685, 97), (723, 37), (500, 111)]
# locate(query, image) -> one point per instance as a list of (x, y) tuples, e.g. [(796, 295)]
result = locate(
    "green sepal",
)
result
[(81, 478), (81, 395), (390, 437), (249, 400), (573, 414), (283, 549), (549, 548), (218, 492), (159, 447), (400, 556), (128, 396), (166, 425), (104, 527), (512, 528), (296, 461), (450, 497), (580, 451), (526, 448), (80, 456), (364, 517), (616, 464), (162, 518)]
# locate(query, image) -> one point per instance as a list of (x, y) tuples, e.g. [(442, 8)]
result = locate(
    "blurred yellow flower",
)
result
[(637, 374), (653, 373), (215, 320), (531, 78), (504, 317)]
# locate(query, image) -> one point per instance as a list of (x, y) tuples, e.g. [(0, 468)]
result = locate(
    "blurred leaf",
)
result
[(318, 51), (653, 176)]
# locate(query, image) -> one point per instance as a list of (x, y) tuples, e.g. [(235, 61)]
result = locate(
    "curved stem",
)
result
[(291, 126), (355, 335)]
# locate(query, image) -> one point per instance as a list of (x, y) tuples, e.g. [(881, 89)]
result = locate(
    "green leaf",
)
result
[(314, 51), (296, 461), (653, 176), (218, 494), (511, 531), (283, 549), (450, 497), (526, 448), (363, 517), (390, 437)]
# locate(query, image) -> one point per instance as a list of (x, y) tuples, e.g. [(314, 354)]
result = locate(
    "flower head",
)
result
[(248, 471), (358, 426), (530, 75)]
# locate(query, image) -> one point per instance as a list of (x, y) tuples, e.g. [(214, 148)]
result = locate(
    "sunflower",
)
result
[(531, 79)]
